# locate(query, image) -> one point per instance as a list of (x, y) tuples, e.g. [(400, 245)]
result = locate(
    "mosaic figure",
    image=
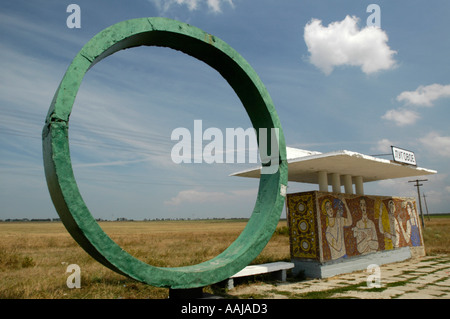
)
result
[(365, 231), (335, 223), (411, 232), (388, 225)]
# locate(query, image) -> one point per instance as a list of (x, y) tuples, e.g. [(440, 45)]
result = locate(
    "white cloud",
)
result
[(112, 163), (392, 187), (422, 96), (401, 117), (343, 43), (383, 146), (214, 5), (435, 190), (436, 144), (425, 95), (193, 196)]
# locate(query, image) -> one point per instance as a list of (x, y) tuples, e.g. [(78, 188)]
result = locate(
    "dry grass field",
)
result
[(34, 256), (437, 235)]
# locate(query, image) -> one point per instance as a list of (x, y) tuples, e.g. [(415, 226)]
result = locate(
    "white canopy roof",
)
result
[(303, 166)]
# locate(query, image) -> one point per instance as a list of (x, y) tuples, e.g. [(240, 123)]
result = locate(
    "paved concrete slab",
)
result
[(420, 278)]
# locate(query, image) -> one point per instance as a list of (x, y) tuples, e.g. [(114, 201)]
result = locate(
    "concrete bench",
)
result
[(279, 268)]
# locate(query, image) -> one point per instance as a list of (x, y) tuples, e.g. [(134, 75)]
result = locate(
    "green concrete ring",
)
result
[(63, 187)]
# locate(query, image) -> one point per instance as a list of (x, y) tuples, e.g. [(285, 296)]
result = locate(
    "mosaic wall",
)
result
[(329, 226), (304, 239)]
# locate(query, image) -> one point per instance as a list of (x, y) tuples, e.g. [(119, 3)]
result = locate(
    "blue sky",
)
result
[(335, 84)]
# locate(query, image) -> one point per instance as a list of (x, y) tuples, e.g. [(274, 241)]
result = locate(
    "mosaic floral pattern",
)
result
[(303, 230)]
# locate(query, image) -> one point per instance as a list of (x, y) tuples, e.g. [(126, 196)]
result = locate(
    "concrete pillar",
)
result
[(359, 185), (348, 185), (323, 181), (336, 182)]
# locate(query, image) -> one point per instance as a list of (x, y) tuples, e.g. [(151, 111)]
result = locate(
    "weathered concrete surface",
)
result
[(316, 270), (419, 278)]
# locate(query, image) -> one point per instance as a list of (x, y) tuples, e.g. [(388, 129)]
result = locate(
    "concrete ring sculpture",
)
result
[(62, 185)]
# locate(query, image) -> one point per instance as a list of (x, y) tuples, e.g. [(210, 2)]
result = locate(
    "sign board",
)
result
[(403, 156)]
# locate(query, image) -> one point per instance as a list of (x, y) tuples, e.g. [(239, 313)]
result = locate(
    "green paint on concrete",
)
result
[(62, 185)]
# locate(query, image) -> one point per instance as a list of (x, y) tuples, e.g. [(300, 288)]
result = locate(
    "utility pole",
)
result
[(418, 194)]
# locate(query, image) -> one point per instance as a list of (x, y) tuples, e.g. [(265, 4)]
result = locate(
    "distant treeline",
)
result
[(31, 220), (123, 219), (447, 215), (120, 219)]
